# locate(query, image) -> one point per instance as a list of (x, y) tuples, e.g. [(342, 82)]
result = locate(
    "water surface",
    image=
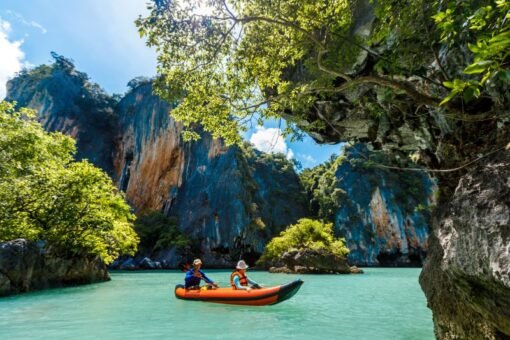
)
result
[(380, 304)]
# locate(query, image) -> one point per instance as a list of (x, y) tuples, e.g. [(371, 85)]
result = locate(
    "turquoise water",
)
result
[(381, 304)]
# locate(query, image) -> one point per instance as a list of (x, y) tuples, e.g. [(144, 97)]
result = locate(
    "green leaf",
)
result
[(448, 98), (478, 67)]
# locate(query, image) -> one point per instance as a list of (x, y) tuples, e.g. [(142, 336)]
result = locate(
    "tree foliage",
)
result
[(46, 195), (484, 27), (277, 57), (305, 234), (322, 187), (158, 231), (324, 183)]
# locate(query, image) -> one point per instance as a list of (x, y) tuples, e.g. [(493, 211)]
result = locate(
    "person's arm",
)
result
[(238, 284), (250, 281), (206, 279)]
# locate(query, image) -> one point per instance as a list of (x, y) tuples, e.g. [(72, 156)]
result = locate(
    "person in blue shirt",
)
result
[(195, 275), (239, 280)]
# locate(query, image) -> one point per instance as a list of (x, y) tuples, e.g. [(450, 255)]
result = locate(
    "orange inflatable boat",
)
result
[(255, 297)]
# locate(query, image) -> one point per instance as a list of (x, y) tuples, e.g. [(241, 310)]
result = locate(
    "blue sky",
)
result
[(100, 36)]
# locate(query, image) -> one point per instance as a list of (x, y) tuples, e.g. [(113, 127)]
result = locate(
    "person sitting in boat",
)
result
[(194, 275), (239, 280)]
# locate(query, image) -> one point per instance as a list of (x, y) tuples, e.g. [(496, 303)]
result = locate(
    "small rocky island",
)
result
[(310, 261), (307, 247)]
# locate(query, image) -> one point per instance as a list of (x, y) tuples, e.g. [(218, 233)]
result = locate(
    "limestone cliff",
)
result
[(228, 200), (66, 101), (223, 197), (383, 215), (467, 277)]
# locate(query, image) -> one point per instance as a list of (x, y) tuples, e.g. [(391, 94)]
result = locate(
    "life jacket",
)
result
[(243, 280)]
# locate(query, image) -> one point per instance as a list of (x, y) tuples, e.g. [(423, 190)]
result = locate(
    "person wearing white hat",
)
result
[(194, 275), (239, 280)]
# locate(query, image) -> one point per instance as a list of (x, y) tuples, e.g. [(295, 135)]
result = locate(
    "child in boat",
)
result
[(194, 275), (239, 280)]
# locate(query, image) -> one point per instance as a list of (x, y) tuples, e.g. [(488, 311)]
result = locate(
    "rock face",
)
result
[(148, 156), (26, 266), (224, 198), (467, 277), (383, 215), (309, 261), (65, 101), (230, 202)]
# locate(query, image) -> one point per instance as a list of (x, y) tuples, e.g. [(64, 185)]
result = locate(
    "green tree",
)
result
[(46, 195), (276, 57), (158, 231), (305, 234), (322, 187)]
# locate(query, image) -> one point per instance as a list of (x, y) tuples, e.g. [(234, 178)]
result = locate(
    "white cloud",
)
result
[(11, 58), (307, 160), (290, 154), (270, 140), (26, 22)]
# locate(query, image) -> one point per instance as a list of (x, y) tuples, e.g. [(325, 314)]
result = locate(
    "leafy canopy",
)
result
[(305, 234), (322, 187), (281, 57), (46, 195), (484, 27), (158, 231)]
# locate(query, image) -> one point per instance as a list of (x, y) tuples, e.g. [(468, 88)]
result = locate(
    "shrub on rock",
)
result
[(308, 244)]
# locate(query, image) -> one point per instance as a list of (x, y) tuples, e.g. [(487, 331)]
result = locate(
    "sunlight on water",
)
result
[(381, 304)]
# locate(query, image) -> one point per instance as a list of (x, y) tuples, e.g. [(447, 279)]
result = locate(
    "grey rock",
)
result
[(168, 258), (281, 270), (27, 266), (128, 264), (467, 278), (382, 222), (5, 285), (147, 263), (308, 261), (66, 102)]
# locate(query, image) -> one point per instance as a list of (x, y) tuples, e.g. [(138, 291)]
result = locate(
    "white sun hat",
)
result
[(241, 265), (196, 262)]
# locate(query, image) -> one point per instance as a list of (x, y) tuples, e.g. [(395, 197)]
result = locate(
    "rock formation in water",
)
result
[(467, 276), (26, 266), (230, 201), (383, 215), (310, 261)]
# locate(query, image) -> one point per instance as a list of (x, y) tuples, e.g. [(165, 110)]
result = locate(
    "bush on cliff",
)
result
[(305, 234), (322, 187), (158, 231), (46, 195)]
